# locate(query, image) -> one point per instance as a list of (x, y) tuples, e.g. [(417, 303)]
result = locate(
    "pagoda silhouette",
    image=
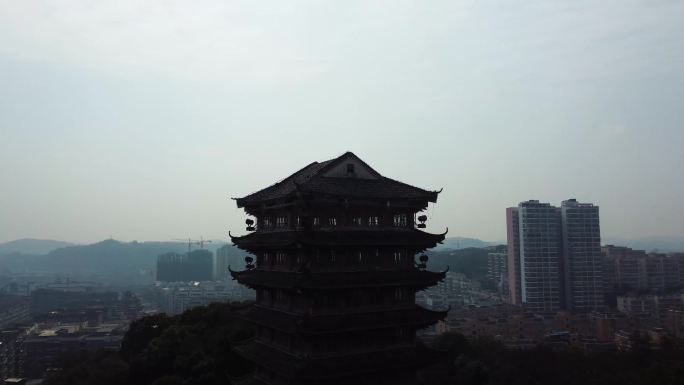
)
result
[(336, 275)]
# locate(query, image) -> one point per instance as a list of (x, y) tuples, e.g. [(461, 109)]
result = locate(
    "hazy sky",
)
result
[(139, 119)]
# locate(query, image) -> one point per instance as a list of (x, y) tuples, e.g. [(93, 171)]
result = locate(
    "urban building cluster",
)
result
[(627, 270), (176, 297), (196, 278), (39, 324), (456, 291), (558, 286), (652, 317), (198, 265)]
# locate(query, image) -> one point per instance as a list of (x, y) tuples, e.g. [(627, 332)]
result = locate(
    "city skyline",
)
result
[(140, 121)]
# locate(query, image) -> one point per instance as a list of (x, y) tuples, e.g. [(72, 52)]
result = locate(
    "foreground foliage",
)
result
[(194, 348), (487, 362)]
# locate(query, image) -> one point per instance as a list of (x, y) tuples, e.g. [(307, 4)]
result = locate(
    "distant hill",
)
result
[(31, 246), (457, 243), (120, 262), (661, 244), (470, 261)]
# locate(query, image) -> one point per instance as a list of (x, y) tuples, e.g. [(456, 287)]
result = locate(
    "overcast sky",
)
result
[(140, 119)]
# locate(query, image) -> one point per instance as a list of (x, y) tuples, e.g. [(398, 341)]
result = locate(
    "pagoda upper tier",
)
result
[(344, 178)]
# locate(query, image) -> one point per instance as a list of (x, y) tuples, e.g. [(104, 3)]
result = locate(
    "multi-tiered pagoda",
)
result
[(336, 275)]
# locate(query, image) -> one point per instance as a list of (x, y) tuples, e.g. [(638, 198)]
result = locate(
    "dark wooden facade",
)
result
[(336, 276)]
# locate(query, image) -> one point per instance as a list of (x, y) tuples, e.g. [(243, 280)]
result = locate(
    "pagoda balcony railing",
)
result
[(276, 229)]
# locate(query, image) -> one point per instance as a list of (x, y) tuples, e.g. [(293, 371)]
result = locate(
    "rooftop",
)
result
[(344, 176)]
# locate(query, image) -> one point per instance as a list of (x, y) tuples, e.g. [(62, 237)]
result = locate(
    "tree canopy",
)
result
[(193, 348)]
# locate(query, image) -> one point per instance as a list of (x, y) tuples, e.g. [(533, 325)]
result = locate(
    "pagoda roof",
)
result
[(337, 280), (337, 323), (339, 236), (319, 178)]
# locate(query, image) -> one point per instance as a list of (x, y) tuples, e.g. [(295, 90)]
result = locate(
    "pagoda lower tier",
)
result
[(309, 324), (395, 366)]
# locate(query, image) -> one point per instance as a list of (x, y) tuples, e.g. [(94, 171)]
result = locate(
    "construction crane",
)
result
[(191, 242)]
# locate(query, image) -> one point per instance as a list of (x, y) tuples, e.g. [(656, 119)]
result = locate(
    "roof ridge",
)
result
[(333, 162), (284, 179), (312, 179)]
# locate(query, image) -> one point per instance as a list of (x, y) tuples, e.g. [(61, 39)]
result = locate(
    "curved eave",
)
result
[(381, 238), (252, 206)]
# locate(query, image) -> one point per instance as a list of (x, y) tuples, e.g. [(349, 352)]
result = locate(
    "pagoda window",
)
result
[(316, 222), (398, 257), (267, 222), (266, 257), (281, 257), (373, 221), (400, 220), (299, 222), (399, 294), (360, 256), (374, 297), (332, 256), (332, 221), (281, 222), (357, 221)]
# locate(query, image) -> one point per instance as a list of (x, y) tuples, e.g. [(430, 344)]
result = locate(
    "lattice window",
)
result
[(373, 221), (398, 257), (281, 257)]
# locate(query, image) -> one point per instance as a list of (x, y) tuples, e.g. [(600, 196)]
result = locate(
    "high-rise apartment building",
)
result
[(539, 255), (196, 265), (554, 257), (497, 271), (513, 259), (223, 254), (582, 260)]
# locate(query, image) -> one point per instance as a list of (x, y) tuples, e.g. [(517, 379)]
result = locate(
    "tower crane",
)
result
[(191, 242)]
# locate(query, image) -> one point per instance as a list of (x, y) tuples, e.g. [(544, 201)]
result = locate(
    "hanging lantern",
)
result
[(423, 262)]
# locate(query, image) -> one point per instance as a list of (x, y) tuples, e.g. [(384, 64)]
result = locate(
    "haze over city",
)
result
[(140, 120)]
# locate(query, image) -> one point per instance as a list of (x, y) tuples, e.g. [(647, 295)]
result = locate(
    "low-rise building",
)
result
[(178, 297), (14, 311), (46, 342)]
